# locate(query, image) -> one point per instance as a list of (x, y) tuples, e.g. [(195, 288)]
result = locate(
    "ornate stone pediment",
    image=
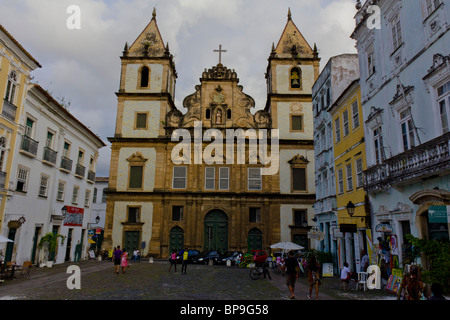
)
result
[(219, 105), (402, 207), (219, 72), (299, 159), (136, 157)]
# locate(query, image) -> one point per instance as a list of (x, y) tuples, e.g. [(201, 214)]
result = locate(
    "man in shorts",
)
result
[(291, 273), (117, 255)]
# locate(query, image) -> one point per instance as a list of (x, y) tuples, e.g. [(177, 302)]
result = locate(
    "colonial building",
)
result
[(338, 73), (16, 64), (349, 164), (172, 186), (405, 87), (52, 181), (98, 215)]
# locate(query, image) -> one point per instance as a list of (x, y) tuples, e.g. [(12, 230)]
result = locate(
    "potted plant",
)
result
[(50, 243)]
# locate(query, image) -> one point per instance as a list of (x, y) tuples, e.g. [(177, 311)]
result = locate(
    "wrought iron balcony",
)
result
[(420, 162), (9, 110), (2, 179), (49, 155), (66, 163), (91, 175), (29, 145), (80, 170)]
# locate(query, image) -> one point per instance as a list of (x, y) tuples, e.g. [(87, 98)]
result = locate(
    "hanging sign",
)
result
[(383, 227), (437, 214), (74, 217), (316, 234)]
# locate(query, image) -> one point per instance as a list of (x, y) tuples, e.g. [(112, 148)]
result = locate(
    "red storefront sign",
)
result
[(74, 217)]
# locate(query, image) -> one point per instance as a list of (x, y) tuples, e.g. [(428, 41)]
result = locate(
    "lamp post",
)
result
[(97, 220), (350, 209)]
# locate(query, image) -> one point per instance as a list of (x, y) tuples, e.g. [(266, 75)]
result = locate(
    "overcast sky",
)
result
[(83, 66)]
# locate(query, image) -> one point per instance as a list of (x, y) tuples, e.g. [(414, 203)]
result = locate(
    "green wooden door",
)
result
[(176, 239), (216, 231), (254, 240), (131, 240)]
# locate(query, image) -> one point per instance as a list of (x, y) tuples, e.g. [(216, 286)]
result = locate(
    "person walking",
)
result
[(117, 259), (173, 260), (185, 260), (345, 277), (77, 252), (313, 275), (291, 273), (124, 262)]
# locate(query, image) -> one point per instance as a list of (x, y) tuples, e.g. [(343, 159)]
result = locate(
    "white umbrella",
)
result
[(4, 239), (286, 245)]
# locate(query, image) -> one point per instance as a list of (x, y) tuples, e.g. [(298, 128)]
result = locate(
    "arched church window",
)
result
[(296, 78), (208, 113), (229, 114), (145, 72)]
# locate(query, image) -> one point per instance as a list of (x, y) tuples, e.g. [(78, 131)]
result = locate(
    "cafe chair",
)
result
[(362, 280), (26, 269)]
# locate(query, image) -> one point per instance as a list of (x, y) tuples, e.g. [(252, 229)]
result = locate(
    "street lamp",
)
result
[(64, 211), (350, 208), (97, 220)]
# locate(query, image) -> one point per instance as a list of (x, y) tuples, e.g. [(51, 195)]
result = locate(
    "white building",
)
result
[(98, 211), (54, 167), (335, 77), (405, 88)]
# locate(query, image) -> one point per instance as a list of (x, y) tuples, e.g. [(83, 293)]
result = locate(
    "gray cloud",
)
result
[(83, 66)]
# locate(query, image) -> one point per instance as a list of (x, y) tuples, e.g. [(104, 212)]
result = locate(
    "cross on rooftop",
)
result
[(220, 53)]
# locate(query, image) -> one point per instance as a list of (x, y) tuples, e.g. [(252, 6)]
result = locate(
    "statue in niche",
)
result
[(219, 117)]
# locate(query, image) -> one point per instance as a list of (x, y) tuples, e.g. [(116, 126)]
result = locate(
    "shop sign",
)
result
[(383, 227), (350, 228), (74, 217), (316, 234), (91, 232), (438, 214), (337, 233), (327, 270), (98, 231)]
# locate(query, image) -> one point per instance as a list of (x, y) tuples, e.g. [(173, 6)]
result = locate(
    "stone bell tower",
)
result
[(292, 70)]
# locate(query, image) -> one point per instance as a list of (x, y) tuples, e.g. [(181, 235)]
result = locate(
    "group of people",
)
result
[(173, 260), (292, 268), (120, 258)]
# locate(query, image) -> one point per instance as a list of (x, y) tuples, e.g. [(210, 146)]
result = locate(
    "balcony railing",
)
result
[(424, 160), (66, 164), (80, 170), (91, 175), (49, 155), (29, 145), (9, 110), (2, 179)]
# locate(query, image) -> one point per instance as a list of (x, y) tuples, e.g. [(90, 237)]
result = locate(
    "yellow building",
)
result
[(16, 65), (349, 164)]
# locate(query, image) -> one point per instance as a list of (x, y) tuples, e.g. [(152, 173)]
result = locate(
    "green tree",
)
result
[(51, 241), (438, 254)]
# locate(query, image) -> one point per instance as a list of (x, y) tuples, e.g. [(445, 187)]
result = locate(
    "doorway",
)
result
[(254, 240), (216, 231), (10, 245), (176, 239), (131, 240)]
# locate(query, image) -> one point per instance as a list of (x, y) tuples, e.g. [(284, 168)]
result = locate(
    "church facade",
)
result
[(223, 175)]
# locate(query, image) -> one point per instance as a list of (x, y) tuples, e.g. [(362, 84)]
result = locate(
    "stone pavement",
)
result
[(152, 281)]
